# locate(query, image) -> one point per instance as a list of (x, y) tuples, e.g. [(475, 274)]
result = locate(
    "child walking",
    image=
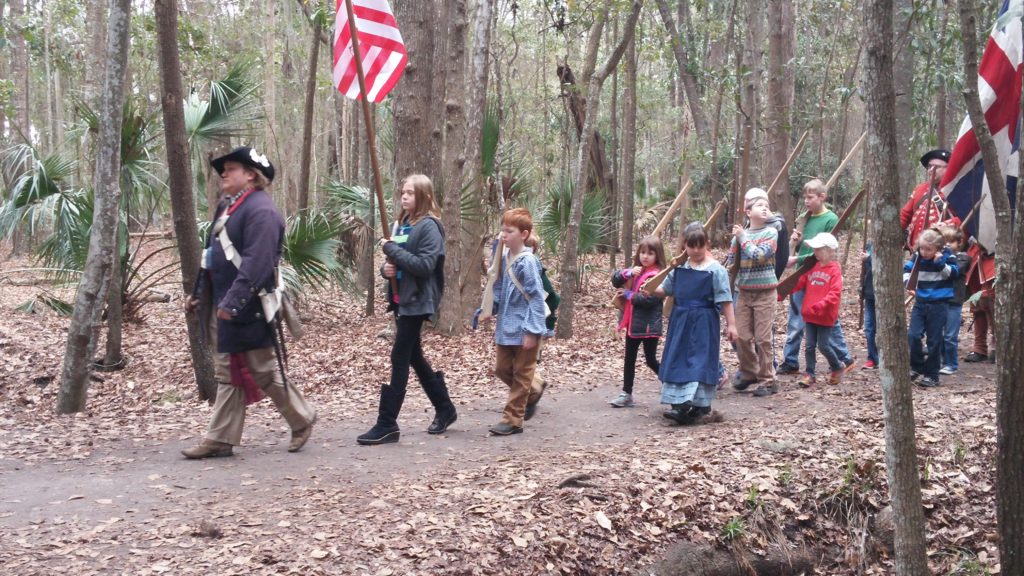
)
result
[(954, 238), (690, 361), (519, 302), (641, 315), (936, 270), (823, 289), (416, 260), (867, 294), (755, 305)]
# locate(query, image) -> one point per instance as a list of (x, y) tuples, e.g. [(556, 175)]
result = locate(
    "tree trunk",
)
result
[(897, 398), (477, 230), (750, 97), (449, 319), (112, 358), (1009, 332), (307, 121), (679, 49), (95, 280), (411, 105), (569, 267), (20, 70), (903, 77), (781, 85), (179, 168), (628, 152)]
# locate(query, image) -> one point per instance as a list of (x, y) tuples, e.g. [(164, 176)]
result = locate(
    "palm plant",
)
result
[(557, 210), (311, 251)]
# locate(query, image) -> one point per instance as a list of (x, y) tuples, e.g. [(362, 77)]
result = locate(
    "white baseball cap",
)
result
[(824, 240)]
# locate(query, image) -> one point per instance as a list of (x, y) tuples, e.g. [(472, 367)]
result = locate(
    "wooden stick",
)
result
[(663, 223), (652, 283), (789, 162), (849, 156), (963, 224), (370, 136)]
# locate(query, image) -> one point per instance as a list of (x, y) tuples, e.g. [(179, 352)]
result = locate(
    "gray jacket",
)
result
[(421, 260)]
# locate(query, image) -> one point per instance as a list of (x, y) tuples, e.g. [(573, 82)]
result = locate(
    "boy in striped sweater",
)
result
[(755, 305), (936, 270)]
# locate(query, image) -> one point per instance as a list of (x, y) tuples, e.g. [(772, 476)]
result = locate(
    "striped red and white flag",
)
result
[(999, 85), (380, 44)]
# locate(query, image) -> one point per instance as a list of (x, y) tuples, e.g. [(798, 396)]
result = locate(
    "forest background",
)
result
[(592, 115)]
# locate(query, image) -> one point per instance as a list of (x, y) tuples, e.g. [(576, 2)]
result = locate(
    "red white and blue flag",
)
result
[(999, 86), (380, 45)]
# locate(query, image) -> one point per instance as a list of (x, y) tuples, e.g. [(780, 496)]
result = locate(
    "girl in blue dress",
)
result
[(689, 362)]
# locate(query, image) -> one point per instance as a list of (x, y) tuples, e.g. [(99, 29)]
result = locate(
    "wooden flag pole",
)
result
[(368, 121), (672, 209), (370, 136)]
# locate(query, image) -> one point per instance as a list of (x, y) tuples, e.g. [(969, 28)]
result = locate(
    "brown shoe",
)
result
[(299, 438), (208, 449)]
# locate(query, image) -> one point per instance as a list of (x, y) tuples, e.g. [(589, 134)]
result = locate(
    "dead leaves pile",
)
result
[(805, 471)]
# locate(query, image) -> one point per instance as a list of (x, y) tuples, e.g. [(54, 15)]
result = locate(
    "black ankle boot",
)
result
[(444, 409), (385, 430), (379, 435)]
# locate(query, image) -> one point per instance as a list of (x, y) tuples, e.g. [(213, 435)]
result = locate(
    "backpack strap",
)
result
[(512, 277)]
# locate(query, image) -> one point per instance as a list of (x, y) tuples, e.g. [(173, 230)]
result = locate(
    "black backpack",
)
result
[(781, 245)]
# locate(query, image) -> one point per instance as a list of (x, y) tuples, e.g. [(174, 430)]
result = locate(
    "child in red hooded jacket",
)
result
[(820, 310)]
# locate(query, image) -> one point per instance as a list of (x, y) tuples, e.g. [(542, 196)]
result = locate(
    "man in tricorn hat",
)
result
[(927, 206), (239, 263)]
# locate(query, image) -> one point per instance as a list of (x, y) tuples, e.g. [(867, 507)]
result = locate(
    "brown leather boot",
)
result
[(299, 437), (208, 449)]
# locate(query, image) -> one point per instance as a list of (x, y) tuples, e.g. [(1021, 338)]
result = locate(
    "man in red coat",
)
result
[(927, 206)]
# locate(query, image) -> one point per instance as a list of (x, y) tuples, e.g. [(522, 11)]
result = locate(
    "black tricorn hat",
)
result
[(245, 156), (938, 153)]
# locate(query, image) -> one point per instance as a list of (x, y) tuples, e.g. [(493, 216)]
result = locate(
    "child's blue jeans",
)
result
[(820, 337), (951, 342), (927, 320), (870, 329)]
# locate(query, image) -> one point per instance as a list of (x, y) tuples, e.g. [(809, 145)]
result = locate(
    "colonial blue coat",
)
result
[(256, 229)]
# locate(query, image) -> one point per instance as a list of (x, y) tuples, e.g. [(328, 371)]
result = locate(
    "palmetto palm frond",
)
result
[(311, 247), (558, 209), (231, 110), (35, 183), (67, 248)]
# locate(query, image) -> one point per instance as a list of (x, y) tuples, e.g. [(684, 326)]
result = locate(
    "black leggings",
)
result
[(407, 351), (650, 356)]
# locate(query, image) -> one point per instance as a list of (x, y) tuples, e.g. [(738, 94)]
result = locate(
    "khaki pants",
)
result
[(515, 366), (755, 312), (229, 409)]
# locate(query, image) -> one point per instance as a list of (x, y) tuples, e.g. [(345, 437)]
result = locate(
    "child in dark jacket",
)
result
[(823, 287), (867, 294), (641, 315), (951, 341), (936, 271)]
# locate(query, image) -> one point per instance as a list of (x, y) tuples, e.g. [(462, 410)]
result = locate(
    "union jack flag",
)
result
[(380, 45), (999, 85)]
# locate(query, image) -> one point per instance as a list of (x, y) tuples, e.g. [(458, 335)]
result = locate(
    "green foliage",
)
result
[(311, 247), (734, 529), (554, 219)]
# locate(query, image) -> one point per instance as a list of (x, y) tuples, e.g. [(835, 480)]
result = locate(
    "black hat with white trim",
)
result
[(937, 154), (245, 156)]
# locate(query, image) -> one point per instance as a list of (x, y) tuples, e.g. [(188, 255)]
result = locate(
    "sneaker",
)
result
[(947, 370), (505, 429), (914, 376), (741, 385), (836, 376), (787, 369), (807, 381), (928, 382), (849, 365), (975, 357), (623, 401), (763, 391), (869, 365)]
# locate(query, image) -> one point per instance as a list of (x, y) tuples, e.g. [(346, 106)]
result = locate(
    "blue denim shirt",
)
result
[(516, 316)]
